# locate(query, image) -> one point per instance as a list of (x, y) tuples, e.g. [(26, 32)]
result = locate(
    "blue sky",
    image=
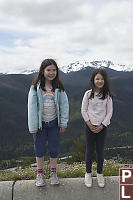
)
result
[(67, 31)]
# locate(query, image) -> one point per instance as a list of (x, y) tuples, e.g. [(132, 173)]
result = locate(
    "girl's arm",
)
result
[(63, 109), (84, 107), (109, 112), (32, 111)]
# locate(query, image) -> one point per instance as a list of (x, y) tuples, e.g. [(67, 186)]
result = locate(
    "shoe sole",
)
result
[(40, 185), (101, 186), (54, 183), (89, 186)]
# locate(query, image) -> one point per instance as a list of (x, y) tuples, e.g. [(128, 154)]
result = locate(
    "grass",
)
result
[(64, 170)]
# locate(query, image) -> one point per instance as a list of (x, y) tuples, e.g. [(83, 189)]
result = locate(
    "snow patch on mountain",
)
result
[(18, 71), (78, 65)]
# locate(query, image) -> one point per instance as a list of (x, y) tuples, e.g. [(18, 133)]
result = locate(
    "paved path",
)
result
[(69, 189), (6, 190)]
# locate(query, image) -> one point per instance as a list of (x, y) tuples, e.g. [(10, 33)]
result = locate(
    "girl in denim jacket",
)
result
[(48, 113)]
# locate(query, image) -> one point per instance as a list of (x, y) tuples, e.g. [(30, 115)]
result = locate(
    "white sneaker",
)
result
[(88, 179), (54, 179), (40, 180), (100, 180)]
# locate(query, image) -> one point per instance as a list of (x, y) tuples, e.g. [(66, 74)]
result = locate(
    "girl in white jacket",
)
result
[(97, 111)]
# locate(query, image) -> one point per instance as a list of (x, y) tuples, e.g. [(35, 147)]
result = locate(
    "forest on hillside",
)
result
[(16, 143)]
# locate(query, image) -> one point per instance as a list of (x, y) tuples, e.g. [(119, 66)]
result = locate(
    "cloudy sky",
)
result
[(66, 30)]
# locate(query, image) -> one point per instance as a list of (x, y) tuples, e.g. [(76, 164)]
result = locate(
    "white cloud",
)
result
[(65, 30), (42, 12)]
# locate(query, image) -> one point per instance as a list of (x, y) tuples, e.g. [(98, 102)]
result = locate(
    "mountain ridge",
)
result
[(77, 66), (15, 139)]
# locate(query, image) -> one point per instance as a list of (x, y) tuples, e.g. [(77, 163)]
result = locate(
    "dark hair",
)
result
[(56, 83), (105, 91)]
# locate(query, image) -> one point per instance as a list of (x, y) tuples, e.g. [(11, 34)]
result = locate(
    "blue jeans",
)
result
[(50, 132), (93, 139)]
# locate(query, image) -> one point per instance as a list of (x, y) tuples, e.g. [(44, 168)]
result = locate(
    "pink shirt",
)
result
[(97, 110)]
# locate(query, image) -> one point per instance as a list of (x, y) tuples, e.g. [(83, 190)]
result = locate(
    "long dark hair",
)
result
[(105, 91), (56, 83)]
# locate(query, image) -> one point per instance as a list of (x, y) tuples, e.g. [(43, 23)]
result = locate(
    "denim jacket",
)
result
[(35, 106)]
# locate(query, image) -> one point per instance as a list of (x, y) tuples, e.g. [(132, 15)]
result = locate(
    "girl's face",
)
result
[(50, 72), (98, 82)]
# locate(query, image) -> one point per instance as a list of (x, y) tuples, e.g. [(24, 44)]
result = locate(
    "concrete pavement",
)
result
[(69, 189), (6, 190)]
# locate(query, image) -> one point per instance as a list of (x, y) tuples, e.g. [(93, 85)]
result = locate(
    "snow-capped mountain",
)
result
[(28, 71), (19, 71), (78, 65)]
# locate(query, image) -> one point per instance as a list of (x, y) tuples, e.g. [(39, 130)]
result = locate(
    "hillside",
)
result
[(15, 139)]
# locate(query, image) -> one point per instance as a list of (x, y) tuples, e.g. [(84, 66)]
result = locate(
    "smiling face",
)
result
[(98, 82), (50, 72)]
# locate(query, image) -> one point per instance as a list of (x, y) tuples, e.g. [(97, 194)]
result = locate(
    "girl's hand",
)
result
[(94, 129), (62, 130), (91, 126), (97, 129)]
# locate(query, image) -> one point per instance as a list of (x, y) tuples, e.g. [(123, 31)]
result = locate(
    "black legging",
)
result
[(91, 140)]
